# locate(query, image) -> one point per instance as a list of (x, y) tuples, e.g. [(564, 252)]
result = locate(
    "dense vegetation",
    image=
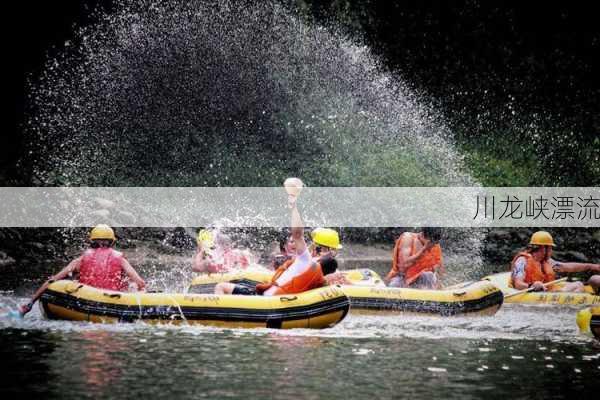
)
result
[(518, 83)]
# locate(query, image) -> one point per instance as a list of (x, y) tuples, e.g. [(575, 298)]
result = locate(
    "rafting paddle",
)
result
[(11, 314), (531, 288), (14, 314)]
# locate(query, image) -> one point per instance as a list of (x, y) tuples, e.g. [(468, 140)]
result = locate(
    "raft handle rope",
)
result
[(74, 290), (292, 298)]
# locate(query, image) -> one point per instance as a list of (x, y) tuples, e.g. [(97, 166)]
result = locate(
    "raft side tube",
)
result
[(318, 308), (481, 298), (368, 293), (501, 280)]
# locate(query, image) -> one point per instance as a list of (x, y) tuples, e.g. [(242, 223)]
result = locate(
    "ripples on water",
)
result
[(523, 351), (513, 322)]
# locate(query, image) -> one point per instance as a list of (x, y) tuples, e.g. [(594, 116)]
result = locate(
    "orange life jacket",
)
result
[(429, 260), (311, 278), (534, 270)]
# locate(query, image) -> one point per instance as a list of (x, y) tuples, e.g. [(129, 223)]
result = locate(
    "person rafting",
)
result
[(308, 267), (417, 260), (534, 266), (286, 249), (204, 246), (326, 243), (100, 266), (218, 255)]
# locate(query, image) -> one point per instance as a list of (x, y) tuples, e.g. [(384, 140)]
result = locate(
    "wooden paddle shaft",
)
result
[(531, 288)]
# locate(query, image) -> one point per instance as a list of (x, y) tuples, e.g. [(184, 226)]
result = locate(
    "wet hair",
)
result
[(433, 234), (97, 243), (328, 264), (282, 238)]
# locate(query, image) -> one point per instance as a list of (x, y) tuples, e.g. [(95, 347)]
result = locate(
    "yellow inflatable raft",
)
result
[(588, 321), (205, 283), (369, 293), (477, 298), (587, 298), (319, 308)]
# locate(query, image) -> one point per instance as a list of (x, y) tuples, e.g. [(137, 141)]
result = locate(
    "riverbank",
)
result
[(31, 247)]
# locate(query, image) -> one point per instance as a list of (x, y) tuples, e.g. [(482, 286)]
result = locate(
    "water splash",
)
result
[(513, 322), (229, 94)]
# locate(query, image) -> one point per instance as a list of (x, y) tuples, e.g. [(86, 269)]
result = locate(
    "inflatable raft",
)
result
[(477, 298), (588, 321), (205, 283), (369, 293), (501, 280), (319, 308)]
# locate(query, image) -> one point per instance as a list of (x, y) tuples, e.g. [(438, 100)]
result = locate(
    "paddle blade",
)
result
[(12, 314)]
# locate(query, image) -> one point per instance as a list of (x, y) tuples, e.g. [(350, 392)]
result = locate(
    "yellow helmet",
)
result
[(102, 231), (542, 238), (206, 238), (326, 237)]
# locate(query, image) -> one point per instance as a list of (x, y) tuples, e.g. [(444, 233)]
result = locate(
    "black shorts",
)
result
[(244, 290)]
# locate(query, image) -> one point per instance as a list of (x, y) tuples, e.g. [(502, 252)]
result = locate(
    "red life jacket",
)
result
[(311, 278), (232, 259), (534, 270), (102, 268)]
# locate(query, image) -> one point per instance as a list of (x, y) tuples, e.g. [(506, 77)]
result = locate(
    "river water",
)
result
[(521, 352)]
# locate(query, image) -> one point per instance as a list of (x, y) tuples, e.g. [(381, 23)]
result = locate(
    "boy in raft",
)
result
[(286, 250), (99, 266), (534, 267), (417, 260), (302, 272), (221, 258)]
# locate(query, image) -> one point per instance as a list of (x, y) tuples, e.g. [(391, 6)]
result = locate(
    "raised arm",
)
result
[(73, 266), (297, 225)]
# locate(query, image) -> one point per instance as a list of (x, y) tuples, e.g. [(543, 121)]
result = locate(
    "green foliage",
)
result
[(500, 165), (561, 159)]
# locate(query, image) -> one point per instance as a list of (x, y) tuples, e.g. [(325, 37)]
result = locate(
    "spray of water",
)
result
[(233, 93), (229, 94)]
